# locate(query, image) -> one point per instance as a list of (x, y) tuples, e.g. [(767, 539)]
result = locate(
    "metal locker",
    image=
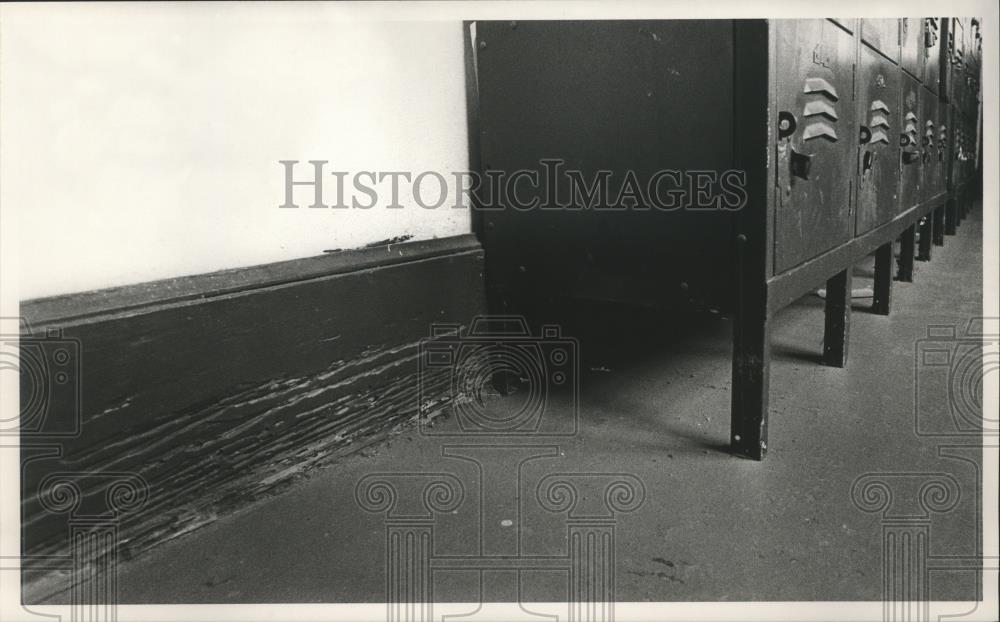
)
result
[(909, 142), (879, 117), (819, 119), (621, 96), (815, 139), (932, 53), (930, 183), (883, 35), (911, 36)]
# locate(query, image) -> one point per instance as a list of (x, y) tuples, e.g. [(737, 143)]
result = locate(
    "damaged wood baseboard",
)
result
[(222, 389)]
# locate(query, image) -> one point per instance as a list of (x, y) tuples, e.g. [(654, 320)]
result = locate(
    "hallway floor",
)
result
[(711, 526)]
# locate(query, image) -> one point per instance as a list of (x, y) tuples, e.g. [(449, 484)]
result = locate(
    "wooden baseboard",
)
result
[(216, 390)]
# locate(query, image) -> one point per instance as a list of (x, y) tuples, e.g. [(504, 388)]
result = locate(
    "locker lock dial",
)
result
[(786, 124)]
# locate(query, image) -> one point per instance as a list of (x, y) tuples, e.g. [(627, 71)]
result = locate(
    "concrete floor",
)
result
[(712, 527)]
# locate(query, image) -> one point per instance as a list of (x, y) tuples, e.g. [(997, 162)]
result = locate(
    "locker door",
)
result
[(879, 118), (816, 134), (932, 53), (910, 151), (911, 33)]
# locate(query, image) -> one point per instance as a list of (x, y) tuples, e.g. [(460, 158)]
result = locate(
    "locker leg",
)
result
[(950, 216), (938, 225), (837, 324), (907, 250), (751, 372), (883, 279), (926, 231)]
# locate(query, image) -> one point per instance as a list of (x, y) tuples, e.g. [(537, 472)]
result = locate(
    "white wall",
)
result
[(142, 142)]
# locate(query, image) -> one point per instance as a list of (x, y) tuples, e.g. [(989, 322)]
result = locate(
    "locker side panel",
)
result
[(879, 116), (910, 152), (816, 139)]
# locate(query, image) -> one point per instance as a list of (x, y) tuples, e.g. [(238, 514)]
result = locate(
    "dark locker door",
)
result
[(883, 35), (816, 137), (879, 116), (932, 53), (623, 97), (909, 141), (930, 146), (911, 33)]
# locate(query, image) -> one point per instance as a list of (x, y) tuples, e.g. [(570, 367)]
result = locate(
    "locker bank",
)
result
[(853, 134), (563, 392)]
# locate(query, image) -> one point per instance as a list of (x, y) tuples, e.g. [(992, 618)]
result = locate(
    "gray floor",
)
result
[(712, 526)]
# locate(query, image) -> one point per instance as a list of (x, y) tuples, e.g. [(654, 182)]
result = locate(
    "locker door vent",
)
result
[(820, 109)]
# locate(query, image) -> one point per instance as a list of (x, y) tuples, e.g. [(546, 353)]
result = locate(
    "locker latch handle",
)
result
[(800, 164), (867, 161)]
